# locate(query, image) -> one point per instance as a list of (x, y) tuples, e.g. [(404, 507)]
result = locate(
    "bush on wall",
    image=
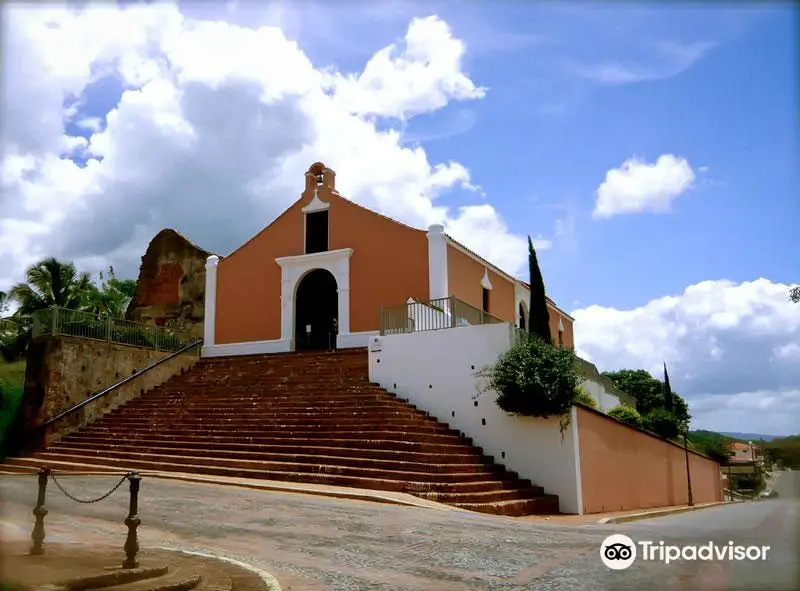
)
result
[(626, 414), (583, 397), (661, 422), (536, 379)]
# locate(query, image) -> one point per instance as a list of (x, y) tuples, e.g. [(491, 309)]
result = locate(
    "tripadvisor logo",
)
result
[(618, 552)]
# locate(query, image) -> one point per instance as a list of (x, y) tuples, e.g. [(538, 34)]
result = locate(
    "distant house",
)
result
[(745, 457)]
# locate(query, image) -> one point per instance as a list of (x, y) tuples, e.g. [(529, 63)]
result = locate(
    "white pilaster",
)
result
[(437, 262), (287, 304), (210, 312)]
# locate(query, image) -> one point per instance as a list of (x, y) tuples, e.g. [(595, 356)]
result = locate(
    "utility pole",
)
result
[(688, 471)]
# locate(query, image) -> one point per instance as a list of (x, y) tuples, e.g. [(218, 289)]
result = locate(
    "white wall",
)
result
[(436, 371), (605, 400)]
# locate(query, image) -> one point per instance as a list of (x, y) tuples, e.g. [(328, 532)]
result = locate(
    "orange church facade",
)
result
[(320, 274)]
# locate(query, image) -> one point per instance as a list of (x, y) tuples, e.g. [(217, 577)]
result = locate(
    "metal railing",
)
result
[(57, 321), (421, 315), (118, 385)]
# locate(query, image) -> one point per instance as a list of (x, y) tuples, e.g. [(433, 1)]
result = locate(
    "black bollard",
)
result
[(133, 522), (39, 512)]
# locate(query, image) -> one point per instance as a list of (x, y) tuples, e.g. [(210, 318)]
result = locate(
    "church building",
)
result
[(323, 273)]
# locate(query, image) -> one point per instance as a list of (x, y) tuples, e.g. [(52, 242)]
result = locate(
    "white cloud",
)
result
[(215, 128), (421, 76), (637, 186), (731, 350)]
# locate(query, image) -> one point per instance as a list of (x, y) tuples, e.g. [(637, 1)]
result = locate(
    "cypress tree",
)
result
[(669, 403), (539, 321)]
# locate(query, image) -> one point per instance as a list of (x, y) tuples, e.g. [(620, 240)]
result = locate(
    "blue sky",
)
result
[(734, 111)]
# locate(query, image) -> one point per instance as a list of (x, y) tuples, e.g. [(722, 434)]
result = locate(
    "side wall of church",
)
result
[(464, 275)]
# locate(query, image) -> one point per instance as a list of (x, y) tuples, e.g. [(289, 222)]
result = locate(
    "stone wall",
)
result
[(171, 284), (63, 371)]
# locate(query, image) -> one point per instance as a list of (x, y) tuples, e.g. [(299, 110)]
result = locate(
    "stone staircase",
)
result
[(299, 417)]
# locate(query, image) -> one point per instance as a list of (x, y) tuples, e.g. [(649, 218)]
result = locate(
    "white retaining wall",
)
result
[(436, 371), (605, 400)]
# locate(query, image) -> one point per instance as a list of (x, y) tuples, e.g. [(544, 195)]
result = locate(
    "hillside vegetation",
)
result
[(12, 381)]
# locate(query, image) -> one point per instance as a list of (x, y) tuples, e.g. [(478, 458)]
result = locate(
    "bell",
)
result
[(319, 179)]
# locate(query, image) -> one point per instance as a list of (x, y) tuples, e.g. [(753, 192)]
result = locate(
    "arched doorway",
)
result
[(316, 308), (523, 316)]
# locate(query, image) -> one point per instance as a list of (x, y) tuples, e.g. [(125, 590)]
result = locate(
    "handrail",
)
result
[(119, 384), (436, 314)]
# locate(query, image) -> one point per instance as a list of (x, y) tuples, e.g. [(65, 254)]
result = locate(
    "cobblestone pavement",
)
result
[(317, 543)]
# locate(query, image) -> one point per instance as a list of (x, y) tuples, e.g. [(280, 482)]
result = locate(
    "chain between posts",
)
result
[(132, 521), (89, 501)]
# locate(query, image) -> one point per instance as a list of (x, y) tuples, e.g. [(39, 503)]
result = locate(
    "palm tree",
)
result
[(113, 295), (51, 283), (3, 302)]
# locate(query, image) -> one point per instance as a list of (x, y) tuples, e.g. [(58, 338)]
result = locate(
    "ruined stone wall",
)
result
[(63, 371), (171, 284)]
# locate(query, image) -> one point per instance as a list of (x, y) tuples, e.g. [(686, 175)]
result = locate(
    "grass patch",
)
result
[(13, 374), (6, 585), (12, 382)]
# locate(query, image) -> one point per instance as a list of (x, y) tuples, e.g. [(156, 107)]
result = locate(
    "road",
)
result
[(316, 543)]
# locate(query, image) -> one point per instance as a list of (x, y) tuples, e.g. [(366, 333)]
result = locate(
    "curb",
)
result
[(270, 581), (374, 498), (662, 513), (256, 485)]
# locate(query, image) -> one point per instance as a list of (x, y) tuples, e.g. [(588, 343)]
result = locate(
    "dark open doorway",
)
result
[(316, 308)]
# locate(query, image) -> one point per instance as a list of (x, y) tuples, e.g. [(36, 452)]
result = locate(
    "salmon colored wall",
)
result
[(389, 264), (249, 281), (646, 472), (464, 275), (569, 339)]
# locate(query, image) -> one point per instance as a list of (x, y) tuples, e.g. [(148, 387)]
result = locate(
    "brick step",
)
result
[(251, 392), (288, 357), (376, 435), (214, 397), (260, 416), (520, 493), (399, 464), (201, 459), (543, 505), (449, 447), (369, 482), (409, 424), (358, 430), (265, 380), (257, 417), (13, 469), (267, 405), (290, 361), (456, 456)]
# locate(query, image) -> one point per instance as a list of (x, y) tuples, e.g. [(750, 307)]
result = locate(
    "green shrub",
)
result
[(626, 414), (661, 422), (583, 397), (10, 399), (533, 378)]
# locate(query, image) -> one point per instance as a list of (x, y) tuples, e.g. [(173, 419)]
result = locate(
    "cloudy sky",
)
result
[(650, 150)]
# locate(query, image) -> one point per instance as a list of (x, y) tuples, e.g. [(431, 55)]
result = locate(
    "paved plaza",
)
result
[(318, 543)]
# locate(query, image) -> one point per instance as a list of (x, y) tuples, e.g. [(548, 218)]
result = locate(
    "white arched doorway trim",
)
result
[(294, 268), (521, 296)]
